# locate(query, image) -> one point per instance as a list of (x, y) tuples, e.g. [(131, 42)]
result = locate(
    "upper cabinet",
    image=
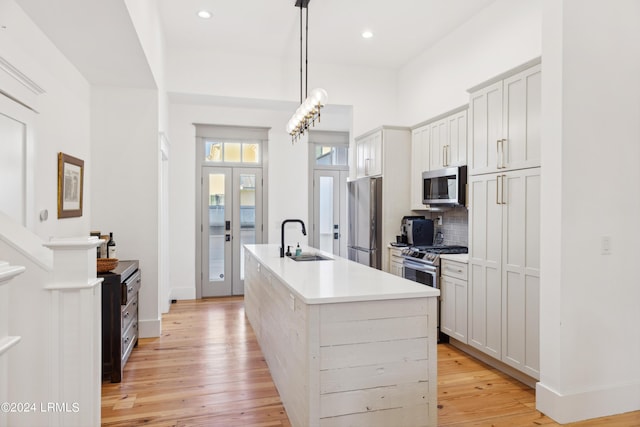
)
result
[(449, 141), (369, 155), (419, 163), (504, 123), (438, 143)]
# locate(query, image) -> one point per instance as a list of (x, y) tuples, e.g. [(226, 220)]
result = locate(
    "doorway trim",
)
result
[(228, 133)]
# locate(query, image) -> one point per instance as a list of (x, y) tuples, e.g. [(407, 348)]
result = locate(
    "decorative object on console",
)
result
[(309, 110), (104, 265), (70, 186)]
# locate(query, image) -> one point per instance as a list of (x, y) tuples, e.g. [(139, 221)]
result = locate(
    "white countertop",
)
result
[(340, 280), (456, 257)]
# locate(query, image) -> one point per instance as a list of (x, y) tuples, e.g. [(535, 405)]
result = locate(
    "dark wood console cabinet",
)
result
[(119, 317)]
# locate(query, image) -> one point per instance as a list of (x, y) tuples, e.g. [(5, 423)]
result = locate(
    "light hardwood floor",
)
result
[(207, 370)]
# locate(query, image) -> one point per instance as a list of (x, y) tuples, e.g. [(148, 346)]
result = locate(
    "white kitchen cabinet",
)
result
[(504, 267), (453, 297), (369, 154), (504, 121), (395, 261), (438, 144), (419, 163), (449, 141), (456, 151)]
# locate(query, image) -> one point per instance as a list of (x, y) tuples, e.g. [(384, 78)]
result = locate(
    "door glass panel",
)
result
[(247, 215), (213, 151), (326, 213), (250, 153), (232, 152), (216, 227)]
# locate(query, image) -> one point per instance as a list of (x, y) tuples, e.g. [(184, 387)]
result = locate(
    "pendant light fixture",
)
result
[(309, 110)]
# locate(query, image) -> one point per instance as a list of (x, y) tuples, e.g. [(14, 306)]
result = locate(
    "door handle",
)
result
[(227, 225)]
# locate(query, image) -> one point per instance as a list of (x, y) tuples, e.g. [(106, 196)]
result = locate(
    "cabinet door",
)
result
[(485, 264), (360, 158), (419, 152), (447, 305), (438, 143), (455, 153), (453, 316), (396, 268), (375, 154), (520, 146), (521, 270), (485, 127)]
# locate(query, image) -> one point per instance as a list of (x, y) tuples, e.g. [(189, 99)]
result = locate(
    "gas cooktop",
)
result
[(441, 249)]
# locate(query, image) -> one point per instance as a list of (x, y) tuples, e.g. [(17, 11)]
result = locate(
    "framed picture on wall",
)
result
[(70, 186)]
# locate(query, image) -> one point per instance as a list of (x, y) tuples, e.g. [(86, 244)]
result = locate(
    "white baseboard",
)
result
[(183, 293), (149, 328), (589, 404)]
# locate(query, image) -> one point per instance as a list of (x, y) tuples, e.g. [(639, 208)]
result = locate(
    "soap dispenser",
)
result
[(298, 250)]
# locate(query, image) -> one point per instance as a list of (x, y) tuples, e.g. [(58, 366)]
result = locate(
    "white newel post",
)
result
[(7, 272), (75, 333)]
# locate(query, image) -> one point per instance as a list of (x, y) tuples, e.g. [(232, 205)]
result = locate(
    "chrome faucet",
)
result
[(304, 232)]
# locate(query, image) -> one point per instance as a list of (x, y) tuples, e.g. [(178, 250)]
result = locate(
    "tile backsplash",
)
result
[(455, 225)]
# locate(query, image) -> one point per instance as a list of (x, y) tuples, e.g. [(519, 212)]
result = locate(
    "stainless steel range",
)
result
[(422, 264)]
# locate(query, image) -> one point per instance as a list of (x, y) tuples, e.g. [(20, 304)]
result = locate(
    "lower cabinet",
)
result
[(453, 307), (119, 318), (395, 262), (504, 267)]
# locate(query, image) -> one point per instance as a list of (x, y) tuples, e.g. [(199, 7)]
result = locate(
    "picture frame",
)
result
[(70, 186)]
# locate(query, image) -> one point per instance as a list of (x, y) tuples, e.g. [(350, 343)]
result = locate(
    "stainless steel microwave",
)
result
[(445, 187)]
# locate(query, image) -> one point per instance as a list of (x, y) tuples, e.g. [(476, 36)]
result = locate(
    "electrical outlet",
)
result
[(439, 220), (606, 245)]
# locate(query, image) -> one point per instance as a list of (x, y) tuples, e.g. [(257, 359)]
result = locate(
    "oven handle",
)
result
[(420, 267)]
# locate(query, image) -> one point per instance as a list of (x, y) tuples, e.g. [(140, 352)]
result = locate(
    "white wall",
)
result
[(505, 34), (124, 134), (371, 92), (590, 341), (62, 124), (287, 177)]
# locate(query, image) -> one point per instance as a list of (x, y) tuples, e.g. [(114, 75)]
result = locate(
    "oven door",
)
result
[(421, 273)]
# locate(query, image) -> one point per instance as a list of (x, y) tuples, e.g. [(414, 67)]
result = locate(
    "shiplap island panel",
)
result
[(346, 344)]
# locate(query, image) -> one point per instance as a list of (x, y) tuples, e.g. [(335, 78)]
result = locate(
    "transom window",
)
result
[(331, 155), (232, 151)]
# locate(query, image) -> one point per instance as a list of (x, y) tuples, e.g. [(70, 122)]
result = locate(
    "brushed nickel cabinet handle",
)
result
[(504, 142), (503, 179)]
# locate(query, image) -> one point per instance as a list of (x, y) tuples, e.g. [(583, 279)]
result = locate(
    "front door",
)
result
[(232, 217)]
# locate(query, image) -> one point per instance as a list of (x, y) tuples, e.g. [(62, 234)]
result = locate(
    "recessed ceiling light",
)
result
[(367, 34), (204, 14)]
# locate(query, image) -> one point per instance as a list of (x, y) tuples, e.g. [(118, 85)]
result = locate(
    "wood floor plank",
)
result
[(207, 370)]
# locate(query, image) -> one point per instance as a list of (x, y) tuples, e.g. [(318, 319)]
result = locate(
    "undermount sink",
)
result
[(310, 257)]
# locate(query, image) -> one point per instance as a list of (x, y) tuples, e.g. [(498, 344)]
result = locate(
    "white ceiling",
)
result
[(402, 28), (98, 37)]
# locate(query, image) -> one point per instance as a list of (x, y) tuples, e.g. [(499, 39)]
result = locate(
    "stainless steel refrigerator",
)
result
[(364, 244)]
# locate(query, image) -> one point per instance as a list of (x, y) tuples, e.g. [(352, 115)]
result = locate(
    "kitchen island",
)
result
[(345, 344)]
